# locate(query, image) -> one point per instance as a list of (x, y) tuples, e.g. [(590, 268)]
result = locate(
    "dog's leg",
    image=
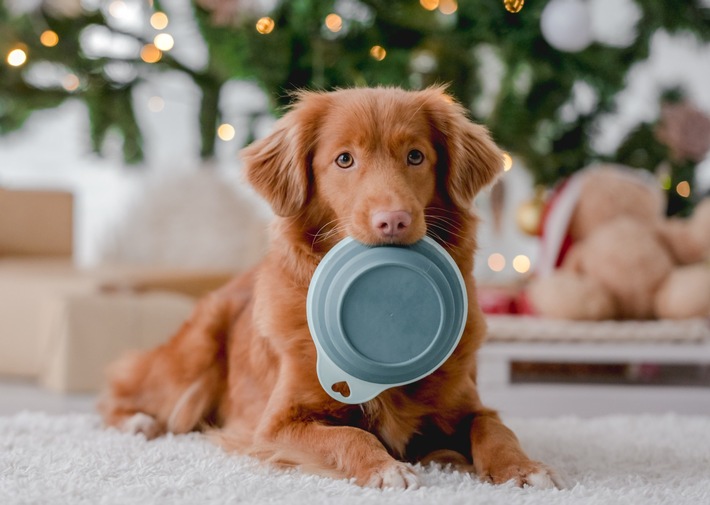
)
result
[(176, 385), (498, 457), (171, 387), (338, 451)]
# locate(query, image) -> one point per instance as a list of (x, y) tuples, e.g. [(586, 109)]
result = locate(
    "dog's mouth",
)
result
[(403, 242), (373, 240)]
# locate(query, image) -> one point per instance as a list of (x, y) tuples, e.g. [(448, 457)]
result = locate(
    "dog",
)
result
[(381, 165)]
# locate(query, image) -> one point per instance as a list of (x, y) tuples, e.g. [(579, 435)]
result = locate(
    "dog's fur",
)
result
[(245, 361)]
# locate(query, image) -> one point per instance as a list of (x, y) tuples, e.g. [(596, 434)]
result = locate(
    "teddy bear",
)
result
[(609, 252)]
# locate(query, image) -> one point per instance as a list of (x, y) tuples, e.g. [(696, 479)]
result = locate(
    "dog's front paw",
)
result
[(141, 423), (526, 473), (394, 475)]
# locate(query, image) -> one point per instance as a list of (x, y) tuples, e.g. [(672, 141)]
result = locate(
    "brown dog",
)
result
[(380, 165)]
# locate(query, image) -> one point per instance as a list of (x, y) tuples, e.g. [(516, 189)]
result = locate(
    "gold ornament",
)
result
[(513, 6), (529, 214)]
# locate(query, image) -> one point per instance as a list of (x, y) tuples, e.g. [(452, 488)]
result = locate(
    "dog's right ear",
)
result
[(279, 165)]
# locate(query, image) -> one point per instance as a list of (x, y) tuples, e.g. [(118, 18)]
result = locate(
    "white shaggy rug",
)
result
[(70, 459)]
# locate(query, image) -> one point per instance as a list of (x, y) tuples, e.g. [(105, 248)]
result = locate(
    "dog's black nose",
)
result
[(391, 224)]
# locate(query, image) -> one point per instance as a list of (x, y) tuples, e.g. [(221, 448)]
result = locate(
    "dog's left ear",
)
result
[(465, 148), (279, 165)]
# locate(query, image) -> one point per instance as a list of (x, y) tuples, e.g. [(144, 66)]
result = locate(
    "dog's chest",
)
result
[(394, 425)]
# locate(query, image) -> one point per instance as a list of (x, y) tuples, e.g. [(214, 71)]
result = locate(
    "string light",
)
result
[(333, 22), (159, 20), (118, 9), (156, 103), (49, 38), (496, 262), (683, 189), (429, 5), (226, 132), (521, 263), (448, 6), (71, 82), (378, 52), (17, 57), (513, 6), (151, 54), (164, 41), (265, 25), (507, 162)]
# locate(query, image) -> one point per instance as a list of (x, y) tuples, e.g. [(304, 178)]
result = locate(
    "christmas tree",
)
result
[(543, 56)]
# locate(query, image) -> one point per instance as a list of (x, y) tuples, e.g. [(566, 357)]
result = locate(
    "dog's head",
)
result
[(372, 161)]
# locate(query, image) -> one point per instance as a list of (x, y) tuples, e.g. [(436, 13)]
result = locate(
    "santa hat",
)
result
[(555, 239)]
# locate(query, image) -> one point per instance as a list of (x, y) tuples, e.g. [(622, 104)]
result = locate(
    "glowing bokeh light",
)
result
[(156, 103), (333, 22), (265, 25), (496, 262), (507, 162), (429, 5), (71, 82), (16, 57), (49, 38), (513, 6), (378, 52), (159, 20), (521, 264), (226, 132), (118, 9), (164, 41), (448, 6), (151, 54), (683, 189)]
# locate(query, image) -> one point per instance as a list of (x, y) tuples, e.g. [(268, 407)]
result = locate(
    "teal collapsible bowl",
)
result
[(384, 316)]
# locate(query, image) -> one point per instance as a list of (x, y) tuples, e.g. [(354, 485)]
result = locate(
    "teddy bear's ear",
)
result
[(279, 165), (468, 156)]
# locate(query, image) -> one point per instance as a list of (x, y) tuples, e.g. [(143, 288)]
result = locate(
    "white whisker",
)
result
[(448, 231), (447, 221), (431, 233), (334, 231)]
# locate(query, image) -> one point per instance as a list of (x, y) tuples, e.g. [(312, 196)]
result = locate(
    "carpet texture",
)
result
[(70, 459)]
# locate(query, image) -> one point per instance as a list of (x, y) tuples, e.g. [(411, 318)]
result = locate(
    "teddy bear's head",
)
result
[(610, 191)]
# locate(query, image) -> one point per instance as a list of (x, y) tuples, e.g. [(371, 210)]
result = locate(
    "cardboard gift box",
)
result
[(82, 333), (62, 325), (36, 223)]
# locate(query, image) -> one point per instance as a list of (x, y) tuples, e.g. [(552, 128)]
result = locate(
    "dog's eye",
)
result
[(415, 157), (344, 160)]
